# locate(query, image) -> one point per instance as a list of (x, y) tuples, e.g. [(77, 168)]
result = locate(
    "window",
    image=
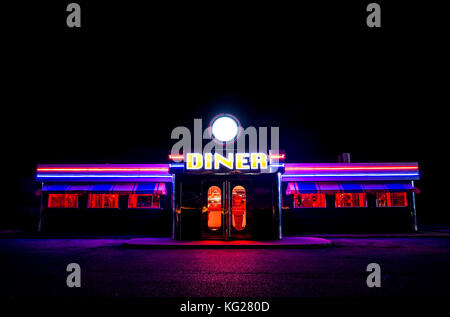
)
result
[(103, 201), (387, 199), (62, 200), (309, 201), (143, 201), (214, 208), (351, 200), (238, 210)]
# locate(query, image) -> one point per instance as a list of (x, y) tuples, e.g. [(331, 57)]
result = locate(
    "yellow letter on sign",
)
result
[(242, 161), (221, 160), (194, 161), (258, 159)]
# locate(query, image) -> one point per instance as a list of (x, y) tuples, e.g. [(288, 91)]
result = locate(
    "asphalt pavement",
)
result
[(417, 266)]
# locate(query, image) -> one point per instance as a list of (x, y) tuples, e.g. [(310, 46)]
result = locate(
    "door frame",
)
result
[(206, 184), (224, 183)]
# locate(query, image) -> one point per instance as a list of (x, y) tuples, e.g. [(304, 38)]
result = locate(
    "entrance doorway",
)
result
[(224, 213), (224, 207)]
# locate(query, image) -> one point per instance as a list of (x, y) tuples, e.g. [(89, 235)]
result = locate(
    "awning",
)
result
[(328, 187), (144, 188)]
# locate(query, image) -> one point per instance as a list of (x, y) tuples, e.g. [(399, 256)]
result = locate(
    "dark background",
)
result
[(112, 91)]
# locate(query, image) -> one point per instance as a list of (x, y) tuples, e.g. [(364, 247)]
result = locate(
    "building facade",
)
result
[(240, 196)]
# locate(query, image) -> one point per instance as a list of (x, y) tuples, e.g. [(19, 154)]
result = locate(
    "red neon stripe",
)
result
[(277, 156), (351, 168), (176, 157), (101, 169)]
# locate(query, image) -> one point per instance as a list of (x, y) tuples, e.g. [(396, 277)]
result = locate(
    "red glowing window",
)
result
[(143, 201), (387, 199), (309, 201), (351, 200), (63, 201), (238, 210), (214, 208), (103, 201)]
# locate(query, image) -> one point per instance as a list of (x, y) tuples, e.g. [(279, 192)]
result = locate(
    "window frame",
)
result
[(299, 207), (217, 213), (391, 200), (234, 192), (64, 195), (153, 201), (102, 205), (336, 200)]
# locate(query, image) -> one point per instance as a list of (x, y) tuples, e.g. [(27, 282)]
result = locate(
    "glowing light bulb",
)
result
[(225, 128)]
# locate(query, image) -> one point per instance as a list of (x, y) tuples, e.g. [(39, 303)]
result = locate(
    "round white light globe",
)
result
[(225, 129)]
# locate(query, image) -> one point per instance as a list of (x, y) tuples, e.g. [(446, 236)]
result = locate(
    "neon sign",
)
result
[(238, 161)]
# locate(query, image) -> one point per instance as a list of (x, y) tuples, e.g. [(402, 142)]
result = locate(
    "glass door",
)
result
[(240, 215), (225, 212), (214, 208), (238, 208), (214, 224)]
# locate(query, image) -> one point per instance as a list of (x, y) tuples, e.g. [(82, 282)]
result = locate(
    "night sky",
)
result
[(113, 91)]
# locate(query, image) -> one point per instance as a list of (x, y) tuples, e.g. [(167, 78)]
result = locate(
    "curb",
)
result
[(307, 243), (374, 236)]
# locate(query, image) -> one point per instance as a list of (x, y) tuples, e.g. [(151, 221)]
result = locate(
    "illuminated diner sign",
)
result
[(238, 161)]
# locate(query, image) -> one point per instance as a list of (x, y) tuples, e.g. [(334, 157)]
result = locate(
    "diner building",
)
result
[(233, 195), (267, 202)]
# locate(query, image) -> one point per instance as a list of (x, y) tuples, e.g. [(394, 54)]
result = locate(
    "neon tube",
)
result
[(276, 165), (351, 168), (98, 175), (176, 157), (101, 169), (350, 175)]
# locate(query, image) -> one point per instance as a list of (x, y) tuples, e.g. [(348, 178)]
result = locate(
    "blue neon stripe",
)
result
[(349, 175), (351, 187), (55, 188), (102, 188), (98, 176)]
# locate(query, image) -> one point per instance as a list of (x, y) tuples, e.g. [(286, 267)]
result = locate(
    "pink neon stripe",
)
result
[(351, 168), (162, 169)]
